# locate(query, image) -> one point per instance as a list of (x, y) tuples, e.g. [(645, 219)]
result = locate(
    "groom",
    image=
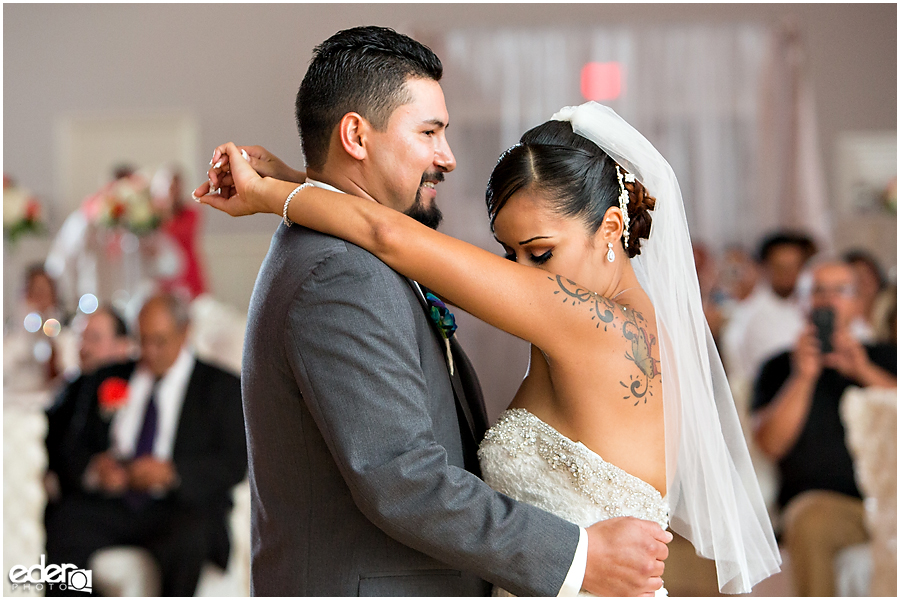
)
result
[(362, 446)]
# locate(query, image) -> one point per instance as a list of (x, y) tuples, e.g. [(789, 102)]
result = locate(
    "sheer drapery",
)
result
[(728, 105), (725, 104)]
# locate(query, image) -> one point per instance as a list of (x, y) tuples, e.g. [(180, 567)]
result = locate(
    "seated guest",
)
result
[(157, 446), (103, 341), (797, 423), (36, 352), (770, 319)]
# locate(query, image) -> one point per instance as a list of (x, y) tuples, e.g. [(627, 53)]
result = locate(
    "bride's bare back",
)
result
[(607, 395)]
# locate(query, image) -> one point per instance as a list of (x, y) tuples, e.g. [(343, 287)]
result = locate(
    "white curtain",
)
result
[(728, 105)]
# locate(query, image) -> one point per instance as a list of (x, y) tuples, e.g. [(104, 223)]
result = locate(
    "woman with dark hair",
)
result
[(625, 410)]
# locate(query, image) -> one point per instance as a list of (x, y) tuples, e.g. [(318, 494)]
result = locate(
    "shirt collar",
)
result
[(324, 186), (182, 365)]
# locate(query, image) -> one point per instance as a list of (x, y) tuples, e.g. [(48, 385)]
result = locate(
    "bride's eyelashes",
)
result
[(538, 260)]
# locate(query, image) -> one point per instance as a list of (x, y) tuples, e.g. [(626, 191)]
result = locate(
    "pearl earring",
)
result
[(610, 255)]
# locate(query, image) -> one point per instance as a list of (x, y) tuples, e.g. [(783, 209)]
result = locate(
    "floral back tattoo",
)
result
[(633, 327)]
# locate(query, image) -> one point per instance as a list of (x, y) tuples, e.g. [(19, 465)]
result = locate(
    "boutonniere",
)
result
[(446, 323), (111, 396)]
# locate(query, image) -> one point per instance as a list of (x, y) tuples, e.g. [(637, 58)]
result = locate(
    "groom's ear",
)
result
[(353, 131)]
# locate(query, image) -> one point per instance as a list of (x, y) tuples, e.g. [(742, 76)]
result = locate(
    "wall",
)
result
[(234, 68)]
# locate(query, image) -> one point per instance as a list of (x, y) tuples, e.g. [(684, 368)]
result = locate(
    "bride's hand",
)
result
[(240, 188), (263, 162)]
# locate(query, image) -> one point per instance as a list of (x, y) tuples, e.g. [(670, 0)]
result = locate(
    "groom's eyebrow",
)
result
[(537, 237), (437, 123)]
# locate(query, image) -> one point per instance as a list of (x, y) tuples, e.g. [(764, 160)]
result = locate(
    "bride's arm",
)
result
[(545, 309)]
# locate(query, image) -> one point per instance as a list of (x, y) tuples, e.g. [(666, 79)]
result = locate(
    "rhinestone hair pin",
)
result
[(623, 200)]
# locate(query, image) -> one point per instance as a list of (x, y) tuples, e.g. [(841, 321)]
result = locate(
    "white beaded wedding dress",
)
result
[(528, 460)]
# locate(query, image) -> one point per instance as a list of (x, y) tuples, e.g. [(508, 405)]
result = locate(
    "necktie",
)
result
[(144, 446), (147, 435)]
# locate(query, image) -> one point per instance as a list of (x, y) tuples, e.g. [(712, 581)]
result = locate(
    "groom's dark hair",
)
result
[(361, 70)]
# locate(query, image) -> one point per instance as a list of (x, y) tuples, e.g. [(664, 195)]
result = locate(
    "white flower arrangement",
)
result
[(123, 203), (22, 212)]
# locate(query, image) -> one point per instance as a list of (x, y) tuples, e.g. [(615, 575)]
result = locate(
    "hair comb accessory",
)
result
[(623, 200)]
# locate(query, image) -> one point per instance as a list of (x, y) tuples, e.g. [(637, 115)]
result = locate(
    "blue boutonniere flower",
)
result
[(446, 323), (441, 316)]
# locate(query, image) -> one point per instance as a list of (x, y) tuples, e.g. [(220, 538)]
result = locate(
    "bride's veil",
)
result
[(714, 498)]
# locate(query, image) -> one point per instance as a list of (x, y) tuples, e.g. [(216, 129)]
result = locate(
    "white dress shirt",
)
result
[(760, 327), (170, 392)]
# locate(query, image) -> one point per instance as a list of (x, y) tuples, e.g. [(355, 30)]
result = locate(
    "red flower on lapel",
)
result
[(112, 395)]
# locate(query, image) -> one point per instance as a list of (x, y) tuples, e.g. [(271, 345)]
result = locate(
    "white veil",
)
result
[(714, 498)]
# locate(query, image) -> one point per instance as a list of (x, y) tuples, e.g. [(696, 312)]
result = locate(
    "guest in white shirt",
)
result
[(770, 319)]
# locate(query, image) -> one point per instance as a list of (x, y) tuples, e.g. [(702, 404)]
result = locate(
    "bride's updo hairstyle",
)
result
[(576, 178)]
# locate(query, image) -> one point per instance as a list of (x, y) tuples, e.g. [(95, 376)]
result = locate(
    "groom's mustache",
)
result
[(433, 177)]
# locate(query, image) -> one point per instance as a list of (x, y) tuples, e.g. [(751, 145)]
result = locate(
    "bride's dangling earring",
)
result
[(610, 255)]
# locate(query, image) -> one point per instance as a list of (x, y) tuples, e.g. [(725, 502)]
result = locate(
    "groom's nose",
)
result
[(443, 157)]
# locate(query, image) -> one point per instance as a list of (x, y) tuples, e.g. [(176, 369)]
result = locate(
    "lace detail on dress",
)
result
[(527, 459)]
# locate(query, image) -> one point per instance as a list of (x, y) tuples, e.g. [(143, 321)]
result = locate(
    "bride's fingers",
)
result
[(241, 170), (234, 205), (219, 174), (220, 167), (202, 190), (218, 202), (217, 154), (224, 180)]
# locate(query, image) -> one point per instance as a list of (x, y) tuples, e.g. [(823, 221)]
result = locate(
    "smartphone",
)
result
[(823, 319)]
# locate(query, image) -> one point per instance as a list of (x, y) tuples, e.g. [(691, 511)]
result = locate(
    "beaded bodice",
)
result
[(527, 459)]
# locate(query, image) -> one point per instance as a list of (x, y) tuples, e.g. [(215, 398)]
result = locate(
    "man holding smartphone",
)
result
[(797, 424)]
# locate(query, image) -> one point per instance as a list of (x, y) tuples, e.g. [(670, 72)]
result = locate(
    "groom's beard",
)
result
[(430, 216)]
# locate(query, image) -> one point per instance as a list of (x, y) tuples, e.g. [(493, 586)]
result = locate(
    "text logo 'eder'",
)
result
[(55, 577)]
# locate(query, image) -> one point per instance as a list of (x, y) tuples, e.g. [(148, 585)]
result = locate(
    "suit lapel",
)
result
[(185, 424), (472, 408)]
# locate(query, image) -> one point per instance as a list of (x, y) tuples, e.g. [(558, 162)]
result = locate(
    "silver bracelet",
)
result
[(287, 202)]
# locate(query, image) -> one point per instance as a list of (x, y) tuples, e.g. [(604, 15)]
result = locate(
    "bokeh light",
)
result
[(88, 303), (33, 322), (52, 328)]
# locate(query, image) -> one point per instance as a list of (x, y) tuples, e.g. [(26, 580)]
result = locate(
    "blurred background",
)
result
[(775, 117)]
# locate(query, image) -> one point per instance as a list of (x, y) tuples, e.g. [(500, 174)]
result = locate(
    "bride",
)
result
[(625, 409)]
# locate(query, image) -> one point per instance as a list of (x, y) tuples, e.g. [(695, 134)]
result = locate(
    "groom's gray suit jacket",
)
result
[(357, 449)]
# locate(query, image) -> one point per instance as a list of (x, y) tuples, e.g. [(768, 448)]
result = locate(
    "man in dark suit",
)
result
[(157, 446), (363, 462)]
